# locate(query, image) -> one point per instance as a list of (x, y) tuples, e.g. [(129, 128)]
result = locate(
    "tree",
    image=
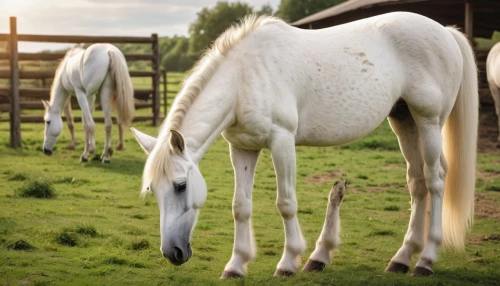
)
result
[(293, 10), (266, 9), (212, 22), (177, 58)]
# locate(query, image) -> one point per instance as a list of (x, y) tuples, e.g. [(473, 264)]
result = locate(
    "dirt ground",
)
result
[(488, 131)]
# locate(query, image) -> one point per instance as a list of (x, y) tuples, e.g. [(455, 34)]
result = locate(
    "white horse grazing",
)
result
[(265, 84), (493, 75), (101, 68)]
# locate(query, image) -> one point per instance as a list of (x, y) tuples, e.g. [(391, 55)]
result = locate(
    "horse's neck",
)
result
[(211, 112), (58, 94)]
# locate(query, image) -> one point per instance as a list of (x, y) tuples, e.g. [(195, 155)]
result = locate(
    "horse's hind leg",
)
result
[(120, 145), (283, 154), (91, 130), (244, 251), (495, 93), (71, 123), (434, 172), (408, 137), (106, 94)]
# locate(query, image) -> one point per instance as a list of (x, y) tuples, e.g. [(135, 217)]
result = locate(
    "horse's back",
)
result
[(335, 85), (85, 70), (95, 66)]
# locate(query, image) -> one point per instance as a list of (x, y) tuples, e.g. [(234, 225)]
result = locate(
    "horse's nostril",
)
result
[(178, 254)]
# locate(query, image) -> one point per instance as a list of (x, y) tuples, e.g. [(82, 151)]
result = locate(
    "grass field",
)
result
[(97, 231)]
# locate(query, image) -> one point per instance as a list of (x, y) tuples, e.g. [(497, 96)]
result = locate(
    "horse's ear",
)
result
[(177, 141), (147, 142), (46, 105)]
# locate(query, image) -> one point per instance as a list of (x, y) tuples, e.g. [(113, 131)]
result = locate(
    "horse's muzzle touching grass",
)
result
[(47, 152), (178, 256)]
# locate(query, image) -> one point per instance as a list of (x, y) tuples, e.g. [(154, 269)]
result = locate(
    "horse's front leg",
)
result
[(87, 121), (329, 238), (283, 154), (244, 251), (71, 123)]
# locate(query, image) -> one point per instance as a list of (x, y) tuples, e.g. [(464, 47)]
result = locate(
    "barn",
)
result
[(477, 18)]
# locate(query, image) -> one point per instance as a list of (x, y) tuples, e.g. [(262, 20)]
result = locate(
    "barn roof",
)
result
[(486, 13), (347, 6)]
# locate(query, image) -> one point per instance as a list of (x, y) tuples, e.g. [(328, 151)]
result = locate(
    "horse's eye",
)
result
[(48, 122), (180, 187)]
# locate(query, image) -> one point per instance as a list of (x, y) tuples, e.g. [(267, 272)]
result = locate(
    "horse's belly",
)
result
[(342, 121)]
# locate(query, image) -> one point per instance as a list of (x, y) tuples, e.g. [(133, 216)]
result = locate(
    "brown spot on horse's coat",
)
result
[(367, 62)]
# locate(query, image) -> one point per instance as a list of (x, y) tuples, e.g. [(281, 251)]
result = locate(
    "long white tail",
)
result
[(124, 89), (460, 147)]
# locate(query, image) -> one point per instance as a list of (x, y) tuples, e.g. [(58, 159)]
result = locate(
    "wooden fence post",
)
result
[(156, 80), (165, 99), (15, 112), (469, 21)]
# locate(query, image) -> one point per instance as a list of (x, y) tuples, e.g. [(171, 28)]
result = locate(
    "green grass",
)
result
[(98, 231), (37, 188)]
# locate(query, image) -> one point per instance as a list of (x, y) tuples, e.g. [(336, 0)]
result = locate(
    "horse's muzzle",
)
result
[(177, 255), (47, 152)]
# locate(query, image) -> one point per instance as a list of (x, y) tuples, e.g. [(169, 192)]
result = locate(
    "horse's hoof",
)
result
[(70, 147), (120, 147), (106, 161), (395, 267), (83, 160), (96, 158), (285, 273), (313, 266), (230, 274), (421, 272)]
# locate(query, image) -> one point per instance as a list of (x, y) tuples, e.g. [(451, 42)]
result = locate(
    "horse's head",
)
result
[(53, 128), (179, 188)]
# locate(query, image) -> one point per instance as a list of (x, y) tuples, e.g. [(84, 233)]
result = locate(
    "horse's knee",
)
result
[(90, 126), (242, 210), (417, 186), (287, 208), (108, 126)]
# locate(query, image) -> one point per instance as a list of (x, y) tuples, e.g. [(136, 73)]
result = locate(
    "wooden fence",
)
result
[(15, 98)]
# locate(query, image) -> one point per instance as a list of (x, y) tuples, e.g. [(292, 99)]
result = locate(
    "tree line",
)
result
[(179, 53)]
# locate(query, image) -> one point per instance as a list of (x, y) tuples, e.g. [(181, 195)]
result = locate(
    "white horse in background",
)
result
[(101, 68), (493, 75), (265, 84)]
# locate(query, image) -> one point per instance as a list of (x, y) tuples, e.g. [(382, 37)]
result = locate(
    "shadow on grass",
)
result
[(126, 166), (361, 274)]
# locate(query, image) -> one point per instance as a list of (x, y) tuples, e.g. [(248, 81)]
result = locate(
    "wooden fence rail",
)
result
[(78, 39), (60, 56), (47, 74), (15, 98)]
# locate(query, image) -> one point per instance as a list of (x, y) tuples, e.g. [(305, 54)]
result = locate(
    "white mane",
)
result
[(59, 70), (159, 160)]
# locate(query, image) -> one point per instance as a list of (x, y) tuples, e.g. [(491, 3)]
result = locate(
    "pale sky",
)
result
[(104, 17)]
